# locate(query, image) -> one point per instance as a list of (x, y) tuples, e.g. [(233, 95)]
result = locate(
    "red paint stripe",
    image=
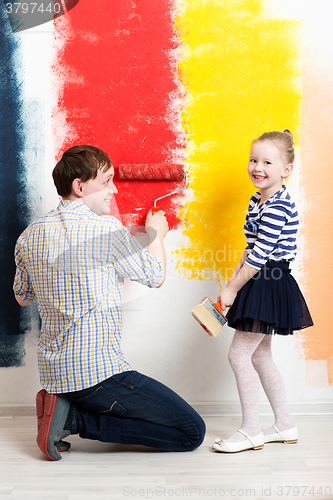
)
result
[(115, 82)]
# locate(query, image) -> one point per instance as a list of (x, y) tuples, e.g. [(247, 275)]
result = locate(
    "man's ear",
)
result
[(77, 187)]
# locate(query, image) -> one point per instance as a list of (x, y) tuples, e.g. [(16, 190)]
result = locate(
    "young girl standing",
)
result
[(264, 297)]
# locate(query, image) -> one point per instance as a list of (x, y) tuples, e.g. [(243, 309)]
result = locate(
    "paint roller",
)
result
[(157, 172), (209, 315)]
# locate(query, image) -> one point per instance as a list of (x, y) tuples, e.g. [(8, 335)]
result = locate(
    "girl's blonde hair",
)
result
[(284, 140)]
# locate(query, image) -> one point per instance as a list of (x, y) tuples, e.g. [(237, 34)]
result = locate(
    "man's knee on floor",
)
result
[(196, 441)]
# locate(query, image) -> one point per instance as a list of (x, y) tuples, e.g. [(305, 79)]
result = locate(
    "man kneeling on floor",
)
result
[(73, 261)]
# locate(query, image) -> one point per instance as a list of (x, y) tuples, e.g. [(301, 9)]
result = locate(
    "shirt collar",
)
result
[(75, 205), (279, 195)]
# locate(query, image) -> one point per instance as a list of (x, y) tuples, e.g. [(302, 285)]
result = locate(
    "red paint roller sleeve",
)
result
[(159, 172)]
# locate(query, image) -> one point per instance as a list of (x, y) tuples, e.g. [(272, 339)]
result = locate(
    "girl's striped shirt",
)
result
[(270, 229)]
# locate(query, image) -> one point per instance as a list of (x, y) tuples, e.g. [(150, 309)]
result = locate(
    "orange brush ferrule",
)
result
[(220, 316)]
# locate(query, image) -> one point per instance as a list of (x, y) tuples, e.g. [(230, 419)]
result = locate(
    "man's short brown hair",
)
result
[(79, 162)]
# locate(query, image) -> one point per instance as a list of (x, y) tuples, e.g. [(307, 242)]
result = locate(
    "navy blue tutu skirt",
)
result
[(271, 303)]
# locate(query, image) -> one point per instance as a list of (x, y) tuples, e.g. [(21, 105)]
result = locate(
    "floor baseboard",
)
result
[(208, 409), (215, 409)]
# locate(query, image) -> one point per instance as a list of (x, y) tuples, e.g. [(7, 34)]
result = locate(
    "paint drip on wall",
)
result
[(240, 68)]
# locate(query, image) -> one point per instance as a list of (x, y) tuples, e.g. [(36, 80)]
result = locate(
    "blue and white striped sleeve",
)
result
[(272, 223)]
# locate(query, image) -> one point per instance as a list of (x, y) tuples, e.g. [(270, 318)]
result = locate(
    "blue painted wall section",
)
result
[(14, 213)]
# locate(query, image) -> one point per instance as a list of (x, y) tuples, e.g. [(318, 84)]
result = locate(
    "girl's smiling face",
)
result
[(267, 168)]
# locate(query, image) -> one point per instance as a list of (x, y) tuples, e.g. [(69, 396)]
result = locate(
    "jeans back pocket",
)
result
[(99, 400)]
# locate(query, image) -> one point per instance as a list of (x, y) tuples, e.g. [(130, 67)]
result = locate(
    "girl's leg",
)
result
[(273, 385), (242, 348)]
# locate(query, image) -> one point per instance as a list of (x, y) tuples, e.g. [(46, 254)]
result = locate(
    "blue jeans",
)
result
[(131, 408)]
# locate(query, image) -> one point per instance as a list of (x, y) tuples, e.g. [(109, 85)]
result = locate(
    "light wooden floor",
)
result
[(99, 471)]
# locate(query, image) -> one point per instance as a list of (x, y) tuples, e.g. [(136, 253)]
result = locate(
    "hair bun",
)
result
[(289, 134)]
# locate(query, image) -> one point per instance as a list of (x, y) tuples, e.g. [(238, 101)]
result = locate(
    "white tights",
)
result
[(250, 354)]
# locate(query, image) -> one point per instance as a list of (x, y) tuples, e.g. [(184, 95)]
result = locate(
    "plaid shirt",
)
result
[(74, 263)]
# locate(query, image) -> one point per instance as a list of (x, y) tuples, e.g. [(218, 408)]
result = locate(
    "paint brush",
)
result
[(209, 315)]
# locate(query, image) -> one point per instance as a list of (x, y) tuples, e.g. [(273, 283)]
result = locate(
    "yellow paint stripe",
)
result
[(241, 72)]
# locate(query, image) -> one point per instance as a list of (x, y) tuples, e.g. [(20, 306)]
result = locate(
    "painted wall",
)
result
[(189, 82)]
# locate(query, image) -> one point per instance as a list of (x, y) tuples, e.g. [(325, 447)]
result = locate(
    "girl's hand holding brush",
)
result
[(226, 297), (237, 281)]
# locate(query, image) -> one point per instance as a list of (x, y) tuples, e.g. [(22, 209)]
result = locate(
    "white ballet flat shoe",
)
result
[(250, 443), (290, 436)]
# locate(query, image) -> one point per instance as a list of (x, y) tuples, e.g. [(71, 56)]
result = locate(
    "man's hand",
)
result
[(158, 222), (156, 228)]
